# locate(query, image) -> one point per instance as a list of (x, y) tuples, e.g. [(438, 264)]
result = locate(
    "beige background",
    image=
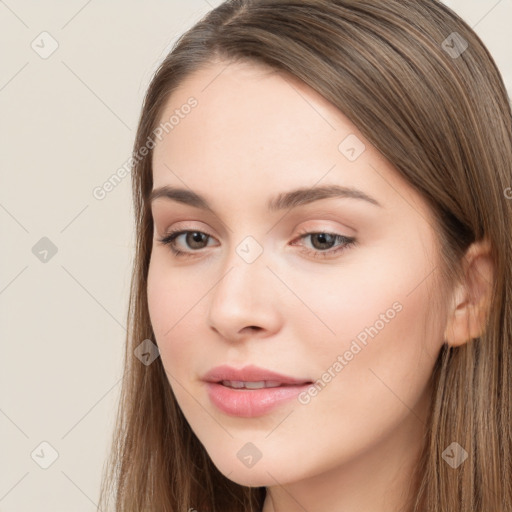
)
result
[(67, 124)]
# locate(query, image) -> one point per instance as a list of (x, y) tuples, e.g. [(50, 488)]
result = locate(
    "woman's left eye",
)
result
[(322, 239), (322, 242)]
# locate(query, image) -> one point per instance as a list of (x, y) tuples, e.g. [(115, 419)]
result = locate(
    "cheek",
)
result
[(385, 365), (174, 305), (378, 317)]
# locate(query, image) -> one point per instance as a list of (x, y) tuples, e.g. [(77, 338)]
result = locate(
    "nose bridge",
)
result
[(244, 269)]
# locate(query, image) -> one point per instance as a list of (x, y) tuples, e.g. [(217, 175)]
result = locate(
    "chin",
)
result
[(249, 479), (256, 476)]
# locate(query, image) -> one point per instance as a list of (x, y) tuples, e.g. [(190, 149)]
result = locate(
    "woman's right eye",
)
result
[(192, 238)]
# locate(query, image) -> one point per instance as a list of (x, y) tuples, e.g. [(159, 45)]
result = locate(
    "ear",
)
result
[(469, 307)]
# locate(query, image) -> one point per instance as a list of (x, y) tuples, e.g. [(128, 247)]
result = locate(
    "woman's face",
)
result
[(347, 309)]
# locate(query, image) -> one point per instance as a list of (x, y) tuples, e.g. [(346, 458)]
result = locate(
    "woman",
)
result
[(322, 198)]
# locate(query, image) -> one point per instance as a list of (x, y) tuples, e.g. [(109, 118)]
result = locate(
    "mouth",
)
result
[(262, 384), (251, 377), (251, 391), (252, 399)]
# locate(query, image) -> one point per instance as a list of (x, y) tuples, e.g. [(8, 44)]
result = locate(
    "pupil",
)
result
[(196, 238), (322, 237)]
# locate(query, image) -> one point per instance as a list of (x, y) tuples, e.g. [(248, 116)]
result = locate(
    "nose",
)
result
[(243, 302)]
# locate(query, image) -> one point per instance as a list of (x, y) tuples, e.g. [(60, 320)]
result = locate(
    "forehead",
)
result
[(253, 128), (252, 104)]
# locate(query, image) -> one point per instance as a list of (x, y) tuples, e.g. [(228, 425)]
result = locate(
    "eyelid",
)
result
[(322, 228), (187, 225), (184, 226)]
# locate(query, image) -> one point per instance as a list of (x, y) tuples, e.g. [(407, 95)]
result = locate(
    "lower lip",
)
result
[(248, 403)]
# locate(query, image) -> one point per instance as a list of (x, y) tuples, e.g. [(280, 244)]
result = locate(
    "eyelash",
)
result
[(347, 242)]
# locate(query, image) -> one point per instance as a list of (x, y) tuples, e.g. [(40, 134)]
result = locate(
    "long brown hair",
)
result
[(423, 89)]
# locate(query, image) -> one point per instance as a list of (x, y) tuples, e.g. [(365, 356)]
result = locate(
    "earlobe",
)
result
[(469, 308)]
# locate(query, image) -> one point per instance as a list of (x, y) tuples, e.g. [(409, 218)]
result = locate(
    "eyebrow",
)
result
[(284, 200)]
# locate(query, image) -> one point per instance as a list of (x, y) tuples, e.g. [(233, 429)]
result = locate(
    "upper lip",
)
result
[(249, 373)]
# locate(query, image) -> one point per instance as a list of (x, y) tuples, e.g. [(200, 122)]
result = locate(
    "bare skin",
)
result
[(354, 445)]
